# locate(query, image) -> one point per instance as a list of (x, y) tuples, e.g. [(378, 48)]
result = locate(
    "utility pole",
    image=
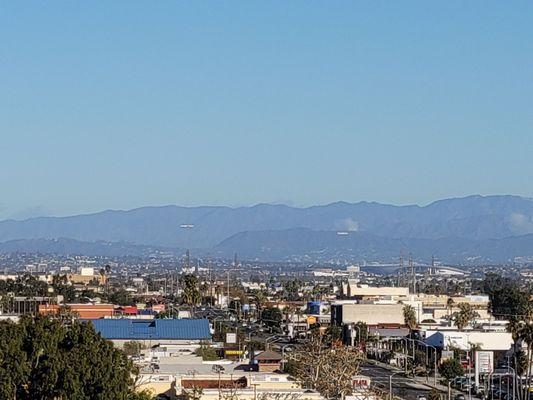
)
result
[(413, 275), (229, 270), (402, 267)]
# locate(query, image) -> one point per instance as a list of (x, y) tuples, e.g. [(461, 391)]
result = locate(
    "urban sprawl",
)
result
[(200, 328)]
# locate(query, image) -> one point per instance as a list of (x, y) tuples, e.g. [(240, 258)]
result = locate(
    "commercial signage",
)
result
[(234, 352), (484, 362), (231, 338), (360, 381)]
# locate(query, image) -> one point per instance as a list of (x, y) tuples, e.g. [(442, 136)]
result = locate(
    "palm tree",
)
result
[(449, 305), (260, 299), (409, 317), (191, 295), (299, 313), (513, 327), (465, 315), (526, 335), (289, 311)]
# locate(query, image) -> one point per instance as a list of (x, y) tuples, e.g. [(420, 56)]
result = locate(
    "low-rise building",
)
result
[(84, 311), (352, 289), (465, 340), (153, 332), (268, 361), (370, 313)]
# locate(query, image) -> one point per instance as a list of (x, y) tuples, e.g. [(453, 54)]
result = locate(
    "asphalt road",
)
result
[(402, 386)]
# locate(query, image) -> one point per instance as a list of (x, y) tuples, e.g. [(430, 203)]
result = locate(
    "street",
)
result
[(402, 386)]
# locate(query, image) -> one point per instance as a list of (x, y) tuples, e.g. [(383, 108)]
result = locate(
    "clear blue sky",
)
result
[(119, 104)]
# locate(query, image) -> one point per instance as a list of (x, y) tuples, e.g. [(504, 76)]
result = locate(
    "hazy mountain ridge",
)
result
[(64, 246), (464, 221), (360, 246)]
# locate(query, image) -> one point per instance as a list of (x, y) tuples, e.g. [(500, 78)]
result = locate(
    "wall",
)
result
[(373, 314)]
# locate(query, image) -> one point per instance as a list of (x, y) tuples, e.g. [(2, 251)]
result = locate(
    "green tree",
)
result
[(433, 394), (520, 362), (42, 358), (409, 317), (260, 298), (271, 317), (191, 293), (451, 368), (121, 297), (526, 335), (449, 305), (62, 287), (207, 352), (291, 290), (26, 286), (507, 299), (132, 348), (465, 315), (14, 366)]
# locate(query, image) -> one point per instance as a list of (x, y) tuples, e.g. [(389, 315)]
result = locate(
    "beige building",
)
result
[(371, 314), (352, 289)]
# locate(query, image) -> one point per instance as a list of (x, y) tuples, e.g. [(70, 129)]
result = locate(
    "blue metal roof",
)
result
[(138, 329)]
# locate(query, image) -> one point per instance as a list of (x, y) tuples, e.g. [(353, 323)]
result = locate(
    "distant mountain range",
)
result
[(491, 228), (63, 246), (307, 245)]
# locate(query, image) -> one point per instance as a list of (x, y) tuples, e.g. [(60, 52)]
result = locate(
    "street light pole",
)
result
[(434, 361), (514, 380), (358, 334), (413, 342), (405, 354), (270, 340), (390, 385)]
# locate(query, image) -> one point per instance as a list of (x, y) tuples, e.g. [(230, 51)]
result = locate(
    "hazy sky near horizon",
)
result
[(128, 103)]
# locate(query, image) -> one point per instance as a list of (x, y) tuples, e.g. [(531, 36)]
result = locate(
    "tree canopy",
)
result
[(451, 368), (465, 315), (325, 367), (272, 317), (507, 298), (409, 317), (42, 358), (191, 294)]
